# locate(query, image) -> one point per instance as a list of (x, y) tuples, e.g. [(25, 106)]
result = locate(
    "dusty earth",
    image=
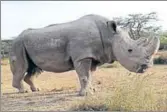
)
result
[(59, 91)]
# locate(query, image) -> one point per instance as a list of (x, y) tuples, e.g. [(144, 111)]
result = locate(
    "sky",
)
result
[(17, 16)]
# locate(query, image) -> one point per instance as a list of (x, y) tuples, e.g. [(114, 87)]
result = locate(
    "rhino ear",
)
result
[(112, 25)]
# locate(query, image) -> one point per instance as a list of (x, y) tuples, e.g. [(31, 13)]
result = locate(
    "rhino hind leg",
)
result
[(32, 71), (82, 68), (18, 68), (18, 83), (29, 79), (21, 64)]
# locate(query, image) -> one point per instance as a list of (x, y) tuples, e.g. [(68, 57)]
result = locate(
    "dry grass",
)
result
[(130, 93), (117, 89)]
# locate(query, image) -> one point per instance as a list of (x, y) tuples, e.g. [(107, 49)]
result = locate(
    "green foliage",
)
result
[(163, 38), (161, 59), (5, 48)]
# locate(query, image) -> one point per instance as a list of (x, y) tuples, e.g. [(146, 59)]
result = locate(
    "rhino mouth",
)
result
[(142, 68)]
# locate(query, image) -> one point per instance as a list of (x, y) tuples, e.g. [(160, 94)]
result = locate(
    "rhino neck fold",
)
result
[(104, 57), (108, 55)]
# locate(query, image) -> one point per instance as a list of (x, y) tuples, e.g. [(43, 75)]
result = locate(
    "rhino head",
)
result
[(134, 55)]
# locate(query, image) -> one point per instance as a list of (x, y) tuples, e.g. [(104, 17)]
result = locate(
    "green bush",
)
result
[(160, 60), (163, 38), (163, 41)]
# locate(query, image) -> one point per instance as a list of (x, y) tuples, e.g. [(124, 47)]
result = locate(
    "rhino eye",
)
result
[(130, 50)]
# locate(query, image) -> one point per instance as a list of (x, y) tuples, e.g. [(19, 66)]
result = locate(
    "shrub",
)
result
[(161, 59)]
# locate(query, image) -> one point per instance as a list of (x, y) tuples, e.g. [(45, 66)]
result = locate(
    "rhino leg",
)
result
[(29, 79), (93, 89), (17, 83), (18, 75), (82, 68), (19, 66)]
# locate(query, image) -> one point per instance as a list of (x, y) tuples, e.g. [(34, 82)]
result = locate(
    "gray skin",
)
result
[(80, 45)]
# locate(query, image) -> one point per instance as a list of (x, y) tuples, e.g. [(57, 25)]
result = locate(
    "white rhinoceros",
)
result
[(79, 45)]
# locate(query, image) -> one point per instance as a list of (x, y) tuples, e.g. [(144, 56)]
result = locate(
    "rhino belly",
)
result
[(49, 54), (52, 61)]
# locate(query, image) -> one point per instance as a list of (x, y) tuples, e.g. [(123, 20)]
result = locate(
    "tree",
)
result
[(5, 47), (139, 25)]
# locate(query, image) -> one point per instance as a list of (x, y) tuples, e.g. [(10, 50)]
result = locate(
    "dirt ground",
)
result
[(59, 90)]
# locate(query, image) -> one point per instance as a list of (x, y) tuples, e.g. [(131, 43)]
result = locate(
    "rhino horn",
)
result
[(152, 45)]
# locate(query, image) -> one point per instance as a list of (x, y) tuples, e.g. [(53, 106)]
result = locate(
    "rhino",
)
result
[(81, 45)]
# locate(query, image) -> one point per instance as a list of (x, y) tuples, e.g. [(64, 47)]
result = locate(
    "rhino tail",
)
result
[(33, 69)]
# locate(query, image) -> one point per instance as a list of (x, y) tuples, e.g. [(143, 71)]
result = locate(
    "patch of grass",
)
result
[(132, 96), (91, 103), (131, 93)]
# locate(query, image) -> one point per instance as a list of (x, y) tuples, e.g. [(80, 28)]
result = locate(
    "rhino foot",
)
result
[(90, 91), (83, 93), (35, 89)]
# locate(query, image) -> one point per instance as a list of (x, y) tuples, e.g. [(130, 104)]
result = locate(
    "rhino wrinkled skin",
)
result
[(80, 45)]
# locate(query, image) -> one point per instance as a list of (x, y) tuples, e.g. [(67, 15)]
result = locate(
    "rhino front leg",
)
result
[(29, 79), (82, 68)]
